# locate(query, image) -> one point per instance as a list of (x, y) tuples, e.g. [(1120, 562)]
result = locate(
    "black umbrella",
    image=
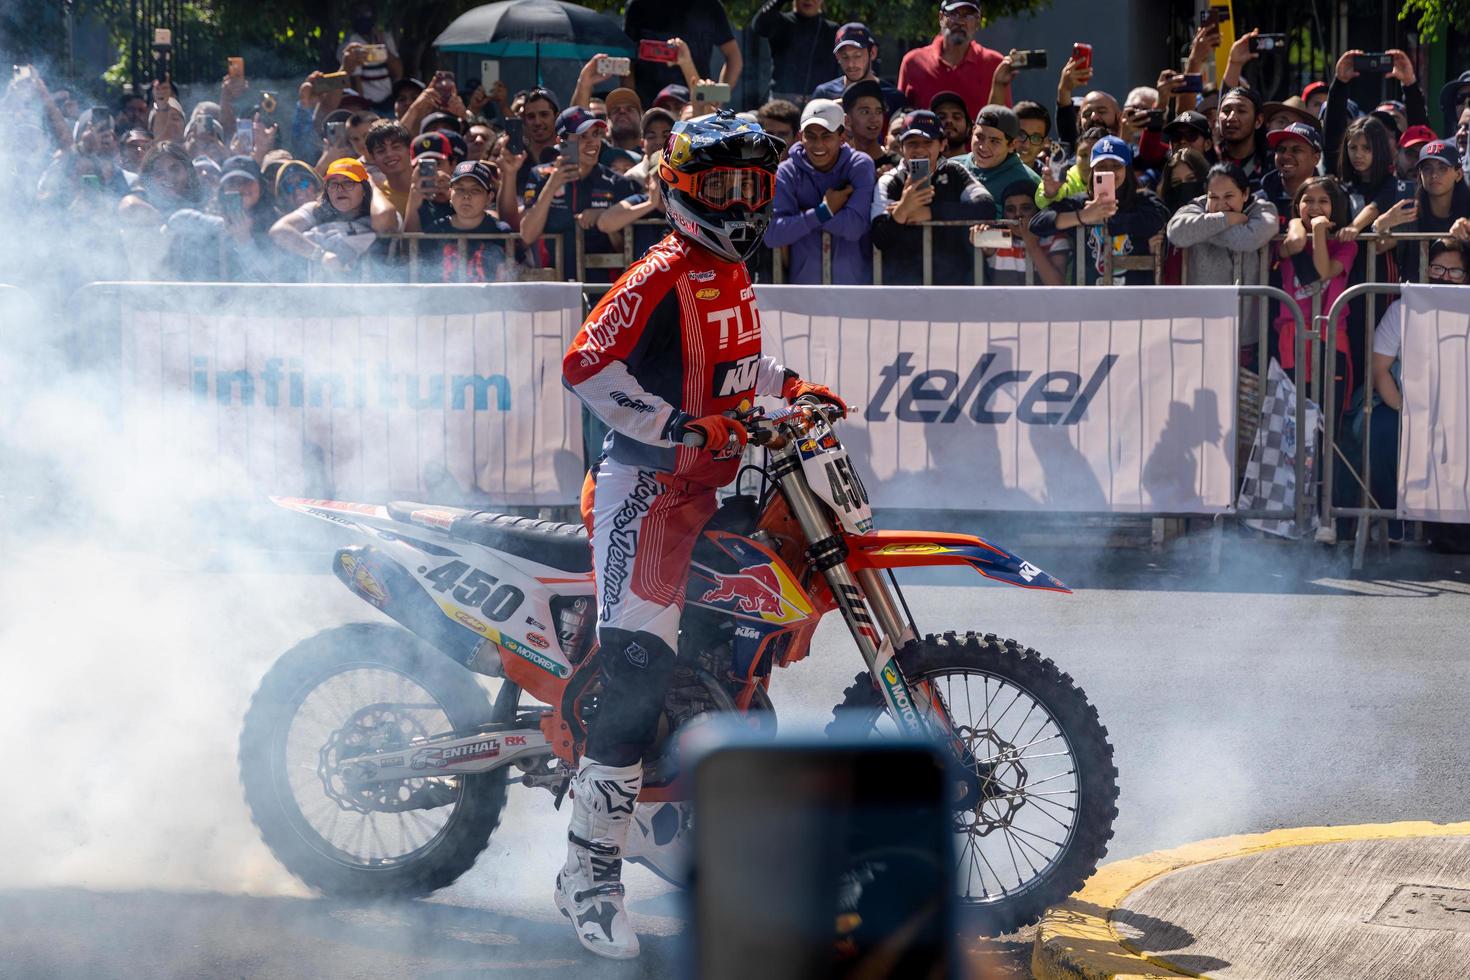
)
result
[(532, 28)]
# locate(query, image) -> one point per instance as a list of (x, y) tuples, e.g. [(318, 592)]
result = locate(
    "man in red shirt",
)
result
[(955, 62)]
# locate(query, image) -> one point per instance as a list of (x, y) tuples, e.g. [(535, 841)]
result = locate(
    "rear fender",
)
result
[(914, 549), (382, 582)]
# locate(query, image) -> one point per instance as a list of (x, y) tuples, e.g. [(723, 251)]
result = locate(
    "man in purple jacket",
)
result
[(824, 187)]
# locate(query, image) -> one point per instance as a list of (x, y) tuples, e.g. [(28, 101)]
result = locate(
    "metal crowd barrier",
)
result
[(1368, 509), (413, 239)]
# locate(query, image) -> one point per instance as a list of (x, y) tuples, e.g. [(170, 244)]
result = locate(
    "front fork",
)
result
[(860, 598)]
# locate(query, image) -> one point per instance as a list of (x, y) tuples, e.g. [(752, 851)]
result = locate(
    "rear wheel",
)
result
[(346, 691), (1036, 809)]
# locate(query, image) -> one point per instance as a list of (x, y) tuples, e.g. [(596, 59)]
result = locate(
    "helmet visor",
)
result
[(726, 187)]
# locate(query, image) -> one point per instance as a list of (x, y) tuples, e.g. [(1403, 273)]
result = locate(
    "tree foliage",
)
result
[(285, 37), (1433, 16), (888, 18)]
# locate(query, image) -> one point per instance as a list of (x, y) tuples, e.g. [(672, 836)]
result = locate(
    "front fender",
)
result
[(913, 549)]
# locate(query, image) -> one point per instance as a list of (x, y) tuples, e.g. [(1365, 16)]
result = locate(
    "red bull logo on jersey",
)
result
[(759, 591)]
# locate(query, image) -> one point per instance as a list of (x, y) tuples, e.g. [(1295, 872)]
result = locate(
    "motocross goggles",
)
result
[(725, 187)]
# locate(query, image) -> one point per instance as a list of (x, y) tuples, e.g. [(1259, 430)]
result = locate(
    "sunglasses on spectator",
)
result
[(1437, 271), (291, 187)]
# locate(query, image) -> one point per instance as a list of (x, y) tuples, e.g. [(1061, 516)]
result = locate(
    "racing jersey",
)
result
[(677, 337)]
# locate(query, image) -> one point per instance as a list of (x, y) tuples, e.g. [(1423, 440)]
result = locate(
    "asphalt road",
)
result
[(1275, 692)]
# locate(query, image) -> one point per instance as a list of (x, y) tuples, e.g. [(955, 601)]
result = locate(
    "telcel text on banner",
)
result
[(1073, 399)]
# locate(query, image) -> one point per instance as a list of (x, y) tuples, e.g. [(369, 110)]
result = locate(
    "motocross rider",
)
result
[(674, 345)]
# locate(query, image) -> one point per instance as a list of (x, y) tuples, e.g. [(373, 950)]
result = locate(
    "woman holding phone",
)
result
[(1119, 217), (1441, 199)]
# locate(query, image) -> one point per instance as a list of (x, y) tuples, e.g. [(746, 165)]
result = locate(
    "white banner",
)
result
[(1434, 439), (446, 393), (1070, 399)]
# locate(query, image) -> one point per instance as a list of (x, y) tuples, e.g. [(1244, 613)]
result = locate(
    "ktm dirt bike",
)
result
[(375, 763)]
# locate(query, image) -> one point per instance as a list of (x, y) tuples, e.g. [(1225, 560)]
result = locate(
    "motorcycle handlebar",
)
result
[(762, 430)]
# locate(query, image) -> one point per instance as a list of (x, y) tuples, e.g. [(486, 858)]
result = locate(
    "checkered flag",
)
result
[(1270, 476)]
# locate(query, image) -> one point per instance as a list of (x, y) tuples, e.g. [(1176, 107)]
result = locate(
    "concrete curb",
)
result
[(1076, 940)]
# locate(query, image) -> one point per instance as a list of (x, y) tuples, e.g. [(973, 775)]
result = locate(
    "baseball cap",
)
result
[(921, 122), (407, 83), (349, 168), (673, 93), (475, 170), (1000, 117), (137, 136), (854, 34), (576, 120), (353, 101), (658, 114), (857, 90), (953, 98), (823, 112), (1249, 94), (1312, 89), (621, 97), (1187, 121), (450, 146), (949, 5), (1309, 135), (436, 120), (203, 164), (1112, 148), (1441, 151), (1392, 105), (241, 163), (1416, 136)]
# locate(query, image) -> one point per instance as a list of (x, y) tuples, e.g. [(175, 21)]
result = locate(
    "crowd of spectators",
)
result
[(1187, 179)]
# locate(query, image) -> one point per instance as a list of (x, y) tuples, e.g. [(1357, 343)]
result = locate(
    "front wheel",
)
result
[(1036, 809)]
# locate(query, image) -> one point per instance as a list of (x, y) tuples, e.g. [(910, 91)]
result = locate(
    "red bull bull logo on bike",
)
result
[(760, 591)]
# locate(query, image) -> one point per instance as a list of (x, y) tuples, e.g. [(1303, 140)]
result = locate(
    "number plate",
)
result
[(832, 477)]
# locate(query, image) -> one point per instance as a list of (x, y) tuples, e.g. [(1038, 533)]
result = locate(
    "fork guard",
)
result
[(916, 549)]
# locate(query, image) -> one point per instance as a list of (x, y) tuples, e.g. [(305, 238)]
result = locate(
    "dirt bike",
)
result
[(375, 763)]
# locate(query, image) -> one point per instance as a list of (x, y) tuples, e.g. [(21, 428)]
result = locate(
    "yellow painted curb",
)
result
[(1076, 940)]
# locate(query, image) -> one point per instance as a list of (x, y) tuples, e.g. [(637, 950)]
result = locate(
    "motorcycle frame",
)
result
[(836, 569)]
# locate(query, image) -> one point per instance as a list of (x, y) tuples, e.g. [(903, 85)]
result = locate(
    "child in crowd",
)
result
[(1312, 258), (1048, 254), (1441, 200), (469, 200)]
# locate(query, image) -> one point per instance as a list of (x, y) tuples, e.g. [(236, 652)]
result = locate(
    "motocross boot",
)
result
[(660, 838), (589, 888)]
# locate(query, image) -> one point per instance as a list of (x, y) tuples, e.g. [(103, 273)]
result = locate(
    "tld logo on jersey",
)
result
[(743, 333), (734, 377)]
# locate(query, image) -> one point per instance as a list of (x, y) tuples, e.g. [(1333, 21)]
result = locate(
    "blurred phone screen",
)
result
[(823, 862)]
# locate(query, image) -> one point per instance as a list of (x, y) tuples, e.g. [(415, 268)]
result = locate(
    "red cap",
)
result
[(1416, 136), (1312, 89)]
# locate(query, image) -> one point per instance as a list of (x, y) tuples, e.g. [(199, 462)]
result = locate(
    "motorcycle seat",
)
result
[(563, 546)]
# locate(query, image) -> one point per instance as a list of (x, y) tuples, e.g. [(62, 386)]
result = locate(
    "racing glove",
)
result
[(724, 438), (794, 387)]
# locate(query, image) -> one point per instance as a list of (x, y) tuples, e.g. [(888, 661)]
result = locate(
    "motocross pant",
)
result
[(643, 524)]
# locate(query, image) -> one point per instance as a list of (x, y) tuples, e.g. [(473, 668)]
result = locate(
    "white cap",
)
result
[(825, 113)]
